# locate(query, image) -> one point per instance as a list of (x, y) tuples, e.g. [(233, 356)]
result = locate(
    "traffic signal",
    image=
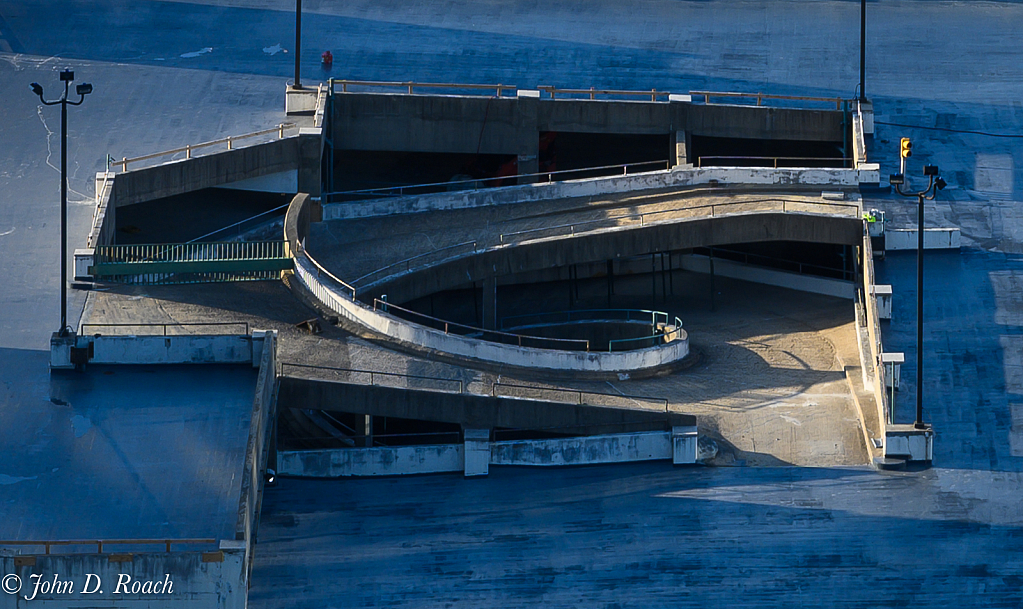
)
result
[(905, 148)]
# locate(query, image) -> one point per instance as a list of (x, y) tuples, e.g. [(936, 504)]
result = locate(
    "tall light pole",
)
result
[(66, 76), (298, 44), (863, 49), (935, 183)]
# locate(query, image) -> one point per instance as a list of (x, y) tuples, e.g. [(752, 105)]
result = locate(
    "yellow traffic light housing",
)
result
[(905, 148)]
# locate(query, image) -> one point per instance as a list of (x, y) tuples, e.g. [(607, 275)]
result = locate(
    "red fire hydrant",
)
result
[(327, 58)]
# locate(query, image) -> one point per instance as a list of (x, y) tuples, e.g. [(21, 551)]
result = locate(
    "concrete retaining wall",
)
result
[(378, 461), (589, 450), (207, 580), (757, 274), (678, 178)]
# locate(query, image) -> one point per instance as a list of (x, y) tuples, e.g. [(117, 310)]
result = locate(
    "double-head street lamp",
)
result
[(935, 183), (66, 76)]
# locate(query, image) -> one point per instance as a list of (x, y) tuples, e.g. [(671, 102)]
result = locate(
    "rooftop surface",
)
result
[(124, 452), (943, 72)]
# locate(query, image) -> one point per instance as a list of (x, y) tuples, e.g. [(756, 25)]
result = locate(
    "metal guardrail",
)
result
[(99, 543), (191, 262), (775, 159), (641, 217), (431, 188), (799, 266), (578, 396), (593, 92), (506, 338), (164, 326), (230, 140), (322, 272), (247, 222), (411, 86), (407, 263), (375, 375), (760, 97), (192, 252), (653, 317), (592, 398)]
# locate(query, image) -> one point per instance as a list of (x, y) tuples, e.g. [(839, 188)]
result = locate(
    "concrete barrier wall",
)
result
[(438, 458), (184, 349), (679, 177), (206, 580), (588, 450), (261, 424), (756, 274), (934, 238), (335, 299), (377, 461)]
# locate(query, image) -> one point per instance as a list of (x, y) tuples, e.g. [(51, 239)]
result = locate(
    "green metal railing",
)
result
[(191, 262)]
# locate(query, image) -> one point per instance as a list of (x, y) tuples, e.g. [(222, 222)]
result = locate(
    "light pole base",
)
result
[(300, 100), (909, 443), (60, 351)]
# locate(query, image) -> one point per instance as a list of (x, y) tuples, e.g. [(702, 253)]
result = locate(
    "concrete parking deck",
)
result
[(124, 452)]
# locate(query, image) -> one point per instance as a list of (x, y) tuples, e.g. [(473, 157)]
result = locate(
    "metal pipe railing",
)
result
[(229, 140), (593, 92), (375, 374), (642, 216), (99, 543), (760, 97), (398, 191), (164, 326), (517, 339), (775, 159), (407, 263), (410, 86), (578, 396)]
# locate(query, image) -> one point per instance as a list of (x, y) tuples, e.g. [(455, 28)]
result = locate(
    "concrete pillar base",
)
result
[(300, 101), (477, 452), (684, 445), (909, 443), (60, 351)]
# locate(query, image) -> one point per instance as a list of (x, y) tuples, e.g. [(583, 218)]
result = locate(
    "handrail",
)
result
[(385, 306), (386, 190), (593, 92), (653, 316), (229, 140), (662, 402), (239, 223), (191, 251), (320, 271), (642, 215), (408, 261), (699, 160), (410, 85), (164, 325), (374, 373), (760, 97), (100, 542), (799, 265)]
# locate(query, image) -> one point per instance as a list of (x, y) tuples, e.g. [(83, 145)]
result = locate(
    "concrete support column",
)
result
[(477, 452), (368, 431), (684, 445), (679, 152), (528, 163), (490, 303)]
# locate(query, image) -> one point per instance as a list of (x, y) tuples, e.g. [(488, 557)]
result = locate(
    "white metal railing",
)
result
[(188, 149)]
